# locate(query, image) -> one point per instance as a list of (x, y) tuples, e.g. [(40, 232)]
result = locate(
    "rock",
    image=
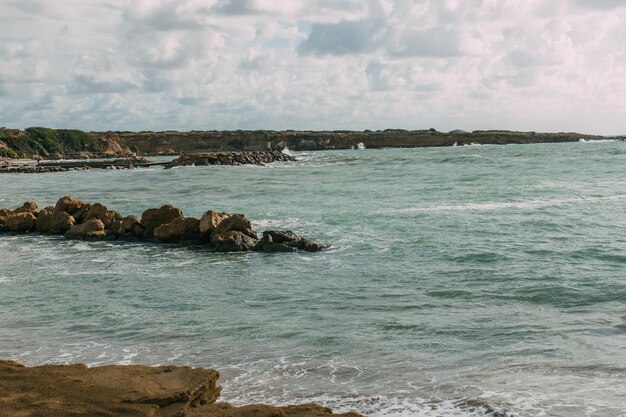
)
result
[(27, 207), (210, 220), (127, 391), (127, 228), (100, 212), (21, 221), (286, 241), (50, 220), (153, 218), (237, 223), (4, 213), (180, 229), (232, 241), (91, 229), (81, 213), (69, 204)]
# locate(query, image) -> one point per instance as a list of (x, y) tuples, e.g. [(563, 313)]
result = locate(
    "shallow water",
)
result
[(463, 281)]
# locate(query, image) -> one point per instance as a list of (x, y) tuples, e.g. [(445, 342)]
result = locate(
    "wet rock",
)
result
[(81, 213), (100, 212), (50, 220), (128, 228), (27, 207), (286, 241), (229, 158), (232, 241), (21, 222), (210, 220), (237, 223), (91, 229), (4, 213), (69, 204), (153, 218), (179, 230)]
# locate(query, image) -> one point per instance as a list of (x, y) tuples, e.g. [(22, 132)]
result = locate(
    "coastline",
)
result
[(128, 390)]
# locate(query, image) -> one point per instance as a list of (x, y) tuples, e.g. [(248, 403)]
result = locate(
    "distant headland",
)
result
[(48, 143)]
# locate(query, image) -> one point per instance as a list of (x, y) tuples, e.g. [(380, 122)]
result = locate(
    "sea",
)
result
[(460, 281)]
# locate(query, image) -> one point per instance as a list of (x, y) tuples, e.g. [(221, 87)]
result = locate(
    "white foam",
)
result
[(531, 204)]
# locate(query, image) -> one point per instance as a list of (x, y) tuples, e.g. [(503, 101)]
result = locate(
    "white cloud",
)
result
[(320, 64)]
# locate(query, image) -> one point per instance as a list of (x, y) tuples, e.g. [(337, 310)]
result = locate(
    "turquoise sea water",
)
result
[(462, 281)]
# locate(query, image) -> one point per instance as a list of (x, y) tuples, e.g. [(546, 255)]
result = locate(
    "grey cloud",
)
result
[(344, 37), (256, 63), (234, 7), (436, 43), (600, 4)]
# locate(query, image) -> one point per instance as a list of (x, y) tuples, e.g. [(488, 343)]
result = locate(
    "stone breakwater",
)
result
[(127, 391), (230, 158), (219, 231)]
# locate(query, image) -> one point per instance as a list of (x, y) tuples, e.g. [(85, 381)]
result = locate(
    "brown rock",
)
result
[(91, 229), (286, 241), (27, 207), (113, 391), (210, 220), (180, 229), (236, 223), (153, 218), (126, 227), (100, 212), (264, 410), (232, 241), (21, 221), (4, 213), (52, 221), (81, 213), (69, 204)]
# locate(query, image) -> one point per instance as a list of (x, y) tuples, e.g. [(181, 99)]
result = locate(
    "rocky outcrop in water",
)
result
[(127, 391), (221, 232), (230, 158)]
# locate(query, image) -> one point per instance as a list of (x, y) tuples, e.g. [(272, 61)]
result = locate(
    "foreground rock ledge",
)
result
[(222, 232), (126, 391)]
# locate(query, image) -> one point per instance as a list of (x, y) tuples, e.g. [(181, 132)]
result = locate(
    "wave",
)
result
[(521, 205)]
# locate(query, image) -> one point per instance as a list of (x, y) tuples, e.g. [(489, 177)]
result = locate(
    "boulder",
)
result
[(69, 204), (210, 220), (127, 227), (153, 218), (232, 241), (235, 223), (91, 229), (81, 213), (21, 221), (4, 213), (180, 229), (286, 241), (53, 221), (27, 207), (100, 212)]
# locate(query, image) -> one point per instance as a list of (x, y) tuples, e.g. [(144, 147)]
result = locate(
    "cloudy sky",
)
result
[(543, 65)]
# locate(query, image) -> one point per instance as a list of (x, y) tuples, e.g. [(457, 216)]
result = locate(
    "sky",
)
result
[(532, 65)]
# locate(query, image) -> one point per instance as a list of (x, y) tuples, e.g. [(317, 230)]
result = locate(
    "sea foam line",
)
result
[(513, 205)]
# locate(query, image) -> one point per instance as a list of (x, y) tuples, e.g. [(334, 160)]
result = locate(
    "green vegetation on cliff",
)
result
[(44, 141)]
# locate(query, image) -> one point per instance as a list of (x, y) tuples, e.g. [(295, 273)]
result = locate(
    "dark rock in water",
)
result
[(230, 158), (153, 218), (232, 241), (180, 229), (21, 222), (286, 241), (4, 213), (91, 229), (50, 220), (128, 228)]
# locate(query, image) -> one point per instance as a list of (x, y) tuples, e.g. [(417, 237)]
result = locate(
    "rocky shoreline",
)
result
[(127, 391), (230, 158), (64, 143), (217, 231)]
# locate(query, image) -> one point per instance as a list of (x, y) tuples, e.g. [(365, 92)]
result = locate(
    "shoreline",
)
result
[(64, 143), (129, 390)]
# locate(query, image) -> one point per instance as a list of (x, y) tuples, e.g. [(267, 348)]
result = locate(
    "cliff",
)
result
[(51, 143)]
